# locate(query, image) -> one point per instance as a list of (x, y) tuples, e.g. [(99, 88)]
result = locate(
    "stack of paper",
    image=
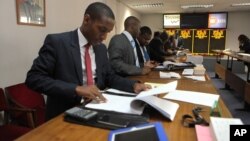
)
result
[(188, 72), (169, 75), (135, 105), (199, 70), (220, 127)]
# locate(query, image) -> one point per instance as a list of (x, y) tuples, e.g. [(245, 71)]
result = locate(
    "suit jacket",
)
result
[(245, 47), (121, 56), (156, 51), (58, 70)]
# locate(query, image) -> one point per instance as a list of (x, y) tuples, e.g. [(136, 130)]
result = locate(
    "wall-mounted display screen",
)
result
[(217, 20), (171, 21), (194, 20)]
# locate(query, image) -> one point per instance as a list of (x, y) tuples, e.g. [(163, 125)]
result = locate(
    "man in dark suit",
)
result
[(123, 51), (60, 71), (143, 41), (244, 42)]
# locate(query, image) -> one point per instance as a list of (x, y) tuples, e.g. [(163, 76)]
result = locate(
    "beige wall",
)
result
[(19, 44), (238, 23)]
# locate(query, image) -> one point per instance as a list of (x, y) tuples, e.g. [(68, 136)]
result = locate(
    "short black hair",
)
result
[(157, 34), (131, 20), (145, 30), (98, 9), (243, 38)]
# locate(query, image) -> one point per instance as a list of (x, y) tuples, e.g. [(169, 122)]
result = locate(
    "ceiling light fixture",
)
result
[(240, 4), (147, 5), (197, 6)]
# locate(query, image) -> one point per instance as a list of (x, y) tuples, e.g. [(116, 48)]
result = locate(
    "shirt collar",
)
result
[(82, 40), (128, 35)]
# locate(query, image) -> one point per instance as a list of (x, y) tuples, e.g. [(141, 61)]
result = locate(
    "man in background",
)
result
[(124, 55), (144, 39)]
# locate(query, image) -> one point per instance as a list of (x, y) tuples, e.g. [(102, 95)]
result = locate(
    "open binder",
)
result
[(135, 105)]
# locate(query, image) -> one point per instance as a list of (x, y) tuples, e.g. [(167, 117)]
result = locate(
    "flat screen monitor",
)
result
[(171, 20), (194, 21), (217, 20)]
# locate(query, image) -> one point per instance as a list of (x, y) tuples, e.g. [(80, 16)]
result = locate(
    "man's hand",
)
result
[(145, 70), (91, 93), (150, 64), (138, 87)]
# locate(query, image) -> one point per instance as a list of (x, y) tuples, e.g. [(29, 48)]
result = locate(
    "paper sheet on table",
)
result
[(169, 75), (198, 78), (206, 99), (165, 88)]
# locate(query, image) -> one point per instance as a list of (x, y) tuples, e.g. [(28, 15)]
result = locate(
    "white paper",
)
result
[(167, 108), (221, 127), (188, 72), (169, 75), (116, 103), (160, 67), (165, 88), (198, 78), (134, 105), (206, 99), (166, 63)]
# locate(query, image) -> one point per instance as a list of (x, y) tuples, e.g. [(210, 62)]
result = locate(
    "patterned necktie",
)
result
[(90, 80)]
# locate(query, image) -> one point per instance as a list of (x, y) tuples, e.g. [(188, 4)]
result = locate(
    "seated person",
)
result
[(156, 49), (143, 39), (72, 66), (179, 43), (123, 50), (244, 43), (170, 46)]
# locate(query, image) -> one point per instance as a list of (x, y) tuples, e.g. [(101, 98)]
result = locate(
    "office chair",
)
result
[(8, 131), (21, 96)]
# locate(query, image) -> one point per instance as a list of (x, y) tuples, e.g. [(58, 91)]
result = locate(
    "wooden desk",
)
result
[(231, 79), (58, 130)]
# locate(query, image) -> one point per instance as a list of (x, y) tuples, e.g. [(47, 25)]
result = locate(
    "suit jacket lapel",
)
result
[(76, 55)]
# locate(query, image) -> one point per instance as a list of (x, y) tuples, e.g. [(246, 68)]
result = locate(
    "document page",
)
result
[(206, 99), (118, 104), (221, 127), (135, 105)]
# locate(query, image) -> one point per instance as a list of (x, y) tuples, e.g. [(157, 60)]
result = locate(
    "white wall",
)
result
[(122, 13), (238, 23), (19, 44)]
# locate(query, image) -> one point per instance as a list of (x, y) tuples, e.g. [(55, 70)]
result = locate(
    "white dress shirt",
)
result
[(82, 42), (130, 38)]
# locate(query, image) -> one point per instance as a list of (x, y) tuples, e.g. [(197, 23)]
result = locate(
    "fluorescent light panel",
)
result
[(197, 6), (240, 4), (148, 5)]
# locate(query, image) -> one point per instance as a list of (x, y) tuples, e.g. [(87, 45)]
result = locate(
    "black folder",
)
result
[(109, 120)]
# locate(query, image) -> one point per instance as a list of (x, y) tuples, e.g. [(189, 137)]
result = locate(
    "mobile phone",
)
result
[(81, 114), (113, 121)]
